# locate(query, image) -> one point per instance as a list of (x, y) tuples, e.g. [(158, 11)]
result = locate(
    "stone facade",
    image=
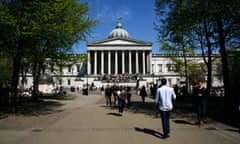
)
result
[(118, 59)]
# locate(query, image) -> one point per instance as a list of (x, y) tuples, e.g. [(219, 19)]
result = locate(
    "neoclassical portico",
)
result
[(119, 54)]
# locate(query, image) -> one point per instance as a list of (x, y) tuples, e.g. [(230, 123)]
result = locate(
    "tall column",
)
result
[(130, 62), (137, 66), (144, 64), (116, 62), (102, 62), (150, 62), (95, 62), (123, 62), (109, 62), (89, 64)]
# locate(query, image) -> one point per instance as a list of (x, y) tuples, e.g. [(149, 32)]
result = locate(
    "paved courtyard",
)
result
[(91, 122)]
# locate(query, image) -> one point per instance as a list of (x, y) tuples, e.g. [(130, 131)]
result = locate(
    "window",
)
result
[(25, 81), (52, 68), (169, 67), (60, 69), (153, 68), (69, 82), (78, 68), (169, 81), (160, 68), (60, 82), (69, 68)]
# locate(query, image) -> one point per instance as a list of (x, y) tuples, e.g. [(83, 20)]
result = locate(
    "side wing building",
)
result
[(118, 59)]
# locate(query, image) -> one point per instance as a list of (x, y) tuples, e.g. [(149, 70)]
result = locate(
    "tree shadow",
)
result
[(232, 130), (184, 107), (147, 109), (180, 110), (59, 96), (29, 108), (40, 108), (183, 122), (149, 131)]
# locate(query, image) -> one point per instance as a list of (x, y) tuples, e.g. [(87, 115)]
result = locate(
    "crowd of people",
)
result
[(164, 100), (121, 96), (125, 77)]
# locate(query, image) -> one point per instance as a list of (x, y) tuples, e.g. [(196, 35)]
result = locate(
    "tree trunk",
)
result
[(36, 76), (209, 61), (14, 84), (15, 74), (228, 97), (187, 76), (209, 76), (37, 67)]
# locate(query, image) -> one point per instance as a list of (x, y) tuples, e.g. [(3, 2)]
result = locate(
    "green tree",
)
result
[(234, 62), (174, 34), (216, 24), (6, 69), (40, 29)]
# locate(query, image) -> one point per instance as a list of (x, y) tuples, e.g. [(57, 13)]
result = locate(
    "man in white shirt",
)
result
[(164, 97)]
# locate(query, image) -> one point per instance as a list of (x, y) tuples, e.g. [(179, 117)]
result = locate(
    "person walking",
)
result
[(108, 95), (129, 95), (200, 101), (143, 94), (164, 100), (102, 90), (115, 94), (122, 100)]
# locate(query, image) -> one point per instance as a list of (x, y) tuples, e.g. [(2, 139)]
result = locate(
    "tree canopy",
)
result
[(207, 25), (40, 29)]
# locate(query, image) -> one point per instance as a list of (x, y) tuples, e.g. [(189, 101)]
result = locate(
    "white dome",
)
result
[(119, 32)]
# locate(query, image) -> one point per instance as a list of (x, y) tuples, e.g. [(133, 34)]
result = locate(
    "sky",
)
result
[(137, 17)]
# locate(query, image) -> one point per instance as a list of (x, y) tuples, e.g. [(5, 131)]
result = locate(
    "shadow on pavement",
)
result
[(183, 122), (29, 108), (185, 109), (232, 130), (114, 114), (149, 131)]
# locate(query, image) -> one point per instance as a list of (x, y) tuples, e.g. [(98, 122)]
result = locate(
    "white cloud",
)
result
[(102, 12), (111, 13), (122, 11)]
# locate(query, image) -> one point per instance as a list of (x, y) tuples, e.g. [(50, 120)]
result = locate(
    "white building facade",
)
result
[(118, 55)]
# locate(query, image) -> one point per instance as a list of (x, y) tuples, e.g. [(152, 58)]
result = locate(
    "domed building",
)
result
[(119, 32), (118, 59), (119, 54)]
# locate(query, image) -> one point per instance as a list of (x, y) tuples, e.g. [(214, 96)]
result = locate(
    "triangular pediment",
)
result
[(119, 41)]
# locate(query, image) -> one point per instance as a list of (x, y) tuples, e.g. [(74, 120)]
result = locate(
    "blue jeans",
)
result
[(165, 122), (121, 104)]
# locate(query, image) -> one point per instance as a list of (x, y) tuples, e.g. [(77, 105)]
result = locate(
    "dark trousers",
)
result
[(121, 105), (143, 100), (201, 111), (165, 122), (108, 101)]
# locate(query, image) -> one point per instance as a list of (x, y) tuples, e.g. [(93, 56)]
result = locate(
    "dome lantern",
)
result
[(119, 31)]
